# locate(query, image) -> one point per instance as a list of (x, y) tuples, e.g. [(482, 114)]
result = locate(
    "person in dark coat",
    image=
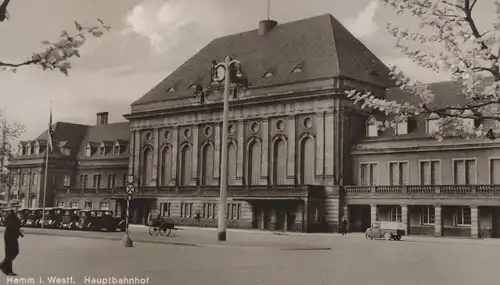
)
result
[(343, 226), (11, 234)]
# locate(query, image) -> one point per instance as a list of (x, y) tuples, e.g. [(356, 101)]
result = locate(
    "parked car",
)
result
[(70, 219), (33, 218), (52, 218), (96, 220), (386, 230)]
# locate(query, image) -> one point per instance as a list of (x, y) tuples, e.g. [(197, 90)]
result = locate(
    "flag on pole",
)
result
[(50, 132)]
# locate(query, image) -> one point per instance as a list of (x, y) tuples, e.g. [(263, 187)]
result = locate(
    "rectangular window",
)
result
[(34, 179), (401, 128), (427, 217), (60, 204), (432, 126), (368, 174), (430, 172), (116, 150), (88, 205), (398, 173), (24, 179), (165, 209), (111, 180), (495, 171), (209, 211), (124, 179), (67, 180), (464, 171), (104, 206), (372, 130), (14, 181), (463, 217), (97, 181), (395, 214), (186, 210), (75, 205)]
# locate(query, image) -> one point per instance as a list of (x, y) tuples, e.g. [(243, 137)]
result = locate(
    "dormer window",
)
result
[(171, 89), (297, 70), (116, 150), (193, 86), (102, 151), (431, 124), (36, 149), (268, 74), (20, 150), (372, 127), (88, 150), (29, 149), (401, 126)]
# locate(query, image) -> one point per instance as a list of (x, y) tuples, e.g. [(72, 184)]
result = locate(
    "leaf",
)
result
[(78, 26), (46, 42), (97, 34), (100, 21)]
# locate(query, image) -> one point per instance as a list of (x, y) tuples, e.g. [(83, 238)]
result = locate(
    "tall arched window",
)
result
[(254, 155), (147, 166), (166, 165), (279, 161), (208, 164), (231, 163), (307, 159), (186, 158)]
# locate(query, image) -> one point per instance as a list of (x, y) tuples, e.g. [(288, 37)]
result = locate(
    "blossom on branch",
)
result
[(447, 39)]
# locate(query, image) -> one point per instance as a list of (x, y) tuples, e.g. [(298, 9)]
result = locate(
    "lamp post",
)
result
[(223, 70)]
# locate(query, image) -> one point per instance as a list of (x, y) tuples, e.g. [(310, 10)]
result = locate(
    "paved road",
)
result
[(351, 260)]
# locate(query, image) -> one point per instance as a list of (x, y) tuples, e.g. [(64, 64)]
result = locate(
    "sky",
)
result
[(147, 41)]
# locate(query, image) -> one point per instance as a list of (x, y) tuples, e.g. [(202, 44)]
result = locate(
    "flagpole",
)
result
[(47, 150)]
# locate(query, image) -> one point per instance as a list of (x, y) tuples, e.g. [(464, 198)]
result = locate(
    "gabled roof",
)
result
[(321, 45)]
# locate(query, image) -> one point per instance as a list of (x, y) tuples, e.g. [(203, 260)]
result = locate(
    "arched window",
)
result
[(186, 158), (279, 162), (307, 158), (208, 164), (231, 163), (254, 155), (166, 165), (147, 166)]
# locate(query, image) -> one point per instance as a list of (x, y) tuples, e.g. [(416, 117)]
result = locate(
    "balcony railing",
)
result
[(210, 191), (446, 190)]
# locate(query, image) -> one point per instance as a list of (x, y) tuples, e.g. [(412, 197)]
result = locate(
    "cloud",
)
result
[(364, 25)]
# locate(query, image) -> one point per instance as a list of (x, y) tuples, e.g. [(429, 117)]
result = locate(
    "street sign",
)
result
[(130, 189), (130, 179)]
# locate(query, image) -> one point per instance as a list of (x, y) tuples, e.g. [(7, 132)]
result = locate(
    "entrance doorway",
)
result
[(359, 218), (139, 210)]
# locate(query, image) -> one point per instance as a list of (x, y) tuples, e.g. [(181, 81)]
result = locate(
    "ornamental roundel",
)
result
[(166, 135), (148, 136), (187, 133), (231, 129), (280, 125), (308, 123), (254, 127), (208, 131)]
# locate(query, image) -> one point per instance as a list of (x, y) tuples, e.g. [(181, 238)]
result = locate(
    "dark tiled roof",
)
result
[(70, 133), (320, 46), (448, 93), (105, 133)]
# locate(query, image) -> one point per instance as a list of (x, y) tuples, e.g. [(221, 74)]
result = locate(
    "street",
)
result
[(263, 259)]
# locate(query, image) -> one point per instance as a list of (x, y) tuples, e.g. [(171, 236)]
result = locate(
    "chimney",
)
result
[(102, 118), (265, 26)]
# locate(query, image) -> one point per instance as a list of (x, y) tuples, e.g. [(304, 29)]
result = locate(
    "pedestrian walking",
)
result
[(343, 226), (11, 235)]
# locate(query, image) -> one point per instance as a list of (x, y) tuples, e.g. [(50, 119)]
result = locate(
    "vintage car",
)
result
[(96, 220), (34, 217), (70, 218), (22, 214), (52, 218), (386, 230)]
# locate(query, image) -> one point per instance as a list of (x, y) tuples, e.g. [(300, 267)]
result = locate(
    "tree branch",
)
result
[(3, 10), (28, 62)]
